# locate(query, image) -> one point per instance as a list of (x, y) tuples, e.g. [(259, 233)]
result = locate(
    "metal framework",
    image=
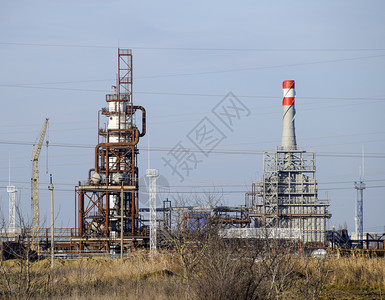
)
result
[(35, 188), (287, 195), (152, 175), (359, 218), (286, 198), (108, 202), (223, 216), (11, 190)]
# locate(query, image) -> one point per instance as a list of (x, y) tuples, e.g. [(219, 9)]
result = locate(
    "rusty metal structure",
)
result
[(107, 203)]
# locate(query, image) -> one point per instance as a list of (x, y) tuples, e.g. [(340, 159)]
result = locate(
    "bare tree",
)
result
[(17, 279), (187, 238), (214, 267)]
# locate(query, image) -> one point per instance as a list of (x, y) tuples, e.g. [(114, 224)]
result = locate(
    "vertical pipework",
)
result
[(288, 133)]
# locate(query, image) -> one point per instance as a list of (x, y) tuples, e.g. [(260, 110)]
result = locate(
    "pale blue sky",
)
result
[(58, 59)]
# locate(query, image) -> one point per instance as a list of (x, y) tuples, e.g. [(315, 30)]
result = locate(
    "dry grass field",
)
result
[(223, 276)]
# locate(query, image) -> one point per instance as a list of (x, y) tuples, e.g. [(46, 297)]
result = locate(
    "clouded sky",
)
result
[(59, 58)]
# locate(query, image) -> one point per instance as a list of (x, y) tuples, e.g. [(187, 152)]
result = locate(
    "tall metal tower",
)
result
[(11, 190), (286, 198), (113, 180), (152, 175), (359, 219), (360, 186)]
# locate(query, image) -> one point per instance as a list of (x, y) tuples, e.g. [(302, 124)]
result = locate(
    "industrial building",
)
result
[(286, 197), (107, 202), (283, 205)]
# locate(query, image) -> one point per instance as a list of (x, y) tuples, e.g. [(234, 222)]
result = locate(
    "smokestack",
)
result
[(288, 133)]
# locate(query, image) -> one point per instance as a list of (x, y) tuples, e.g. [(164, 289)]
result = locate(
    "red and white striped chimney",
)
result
[(288, 133)]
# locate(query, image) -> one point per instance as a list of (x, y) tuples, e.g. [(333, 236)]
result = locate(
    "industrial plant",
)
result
[(287, 198), (283, 205), (107, 202)]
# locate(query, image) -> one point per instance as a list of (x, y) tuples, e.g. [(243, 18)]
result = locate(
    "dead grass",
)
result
[(358, 272), (161, 277), (340, 278), (140, 276)]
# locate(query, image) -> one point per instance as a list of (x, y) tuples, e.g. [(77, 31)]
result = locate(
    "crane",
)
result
[(35, 187)]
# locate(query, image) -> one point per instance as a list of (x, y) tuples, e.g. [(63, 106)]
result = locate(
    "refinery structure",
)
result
[(107, 203), (286, 197), (283, 205)]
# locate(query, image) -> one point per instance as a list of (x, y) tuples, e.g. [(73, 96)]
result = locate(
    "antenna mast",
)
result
[(11, 190), (360, 186)]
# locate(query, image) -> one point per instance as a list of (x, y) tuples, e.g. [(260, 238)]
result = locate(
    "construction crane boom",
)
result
[(35, 187)]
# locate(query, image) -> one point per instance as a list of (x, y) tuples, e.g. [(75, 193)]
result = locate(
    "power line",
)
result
[(222, 186), (206, 186), (261, 96), (30, 86), (208, 192), (262, 67), (51, 88), (198, 48), (240, 152)]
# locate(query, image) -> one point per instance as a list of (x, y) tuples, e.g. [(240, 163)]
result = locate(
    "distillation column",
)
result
[(108, 202)]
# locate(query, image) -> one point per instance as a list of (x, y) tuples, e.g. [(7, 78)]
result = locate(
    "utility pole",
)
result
[(52, 226), (121, 222)]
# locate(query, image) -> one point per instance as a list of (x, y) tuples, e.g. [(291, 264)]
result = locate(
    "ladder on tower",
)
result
[(35, 188)]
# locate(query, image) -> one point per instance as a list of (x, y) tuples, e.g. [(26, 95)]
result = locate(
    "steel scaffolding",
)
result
[(287, 195)]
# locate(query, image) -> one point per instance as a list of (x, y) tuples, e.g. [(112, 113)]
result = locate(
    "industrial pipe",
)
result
[(143, 118)]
